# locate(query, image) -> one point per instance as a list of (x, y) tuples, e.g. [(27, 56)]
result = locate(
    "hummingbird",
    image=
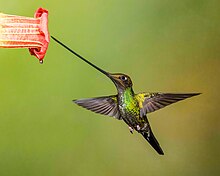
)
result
[(128, 106)]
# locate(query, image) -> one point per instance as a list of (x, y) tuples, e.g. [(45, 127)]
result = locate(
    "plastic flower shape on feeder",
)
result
[(25, 32)]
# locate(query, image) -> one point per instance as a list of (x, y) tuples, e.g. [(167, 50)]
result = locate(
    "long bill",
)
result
[(82, 58)]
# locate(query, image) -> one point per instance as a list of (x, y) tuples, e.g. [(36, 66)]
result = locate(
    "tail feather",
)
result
[(153, 141)]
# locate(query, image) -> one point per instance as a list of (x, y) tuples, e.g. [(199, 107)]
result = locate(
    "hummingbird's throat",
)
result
[(128, 97)]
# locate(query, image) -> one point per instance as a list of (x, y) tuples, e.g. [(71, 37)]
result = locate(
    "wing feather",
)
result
[(107, 105), (155, 101)]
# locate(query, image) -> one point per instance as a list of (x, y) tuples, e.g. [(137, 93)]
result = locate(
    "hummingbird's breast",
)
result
[(129, 109)]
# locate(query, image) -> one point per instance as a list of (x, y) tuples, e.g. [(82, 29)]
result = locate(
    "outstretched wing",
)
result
[(154, 101), (103, 105)]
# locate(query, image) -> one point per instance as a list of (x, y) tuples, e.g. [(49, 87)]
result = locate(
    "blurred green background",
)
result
[(164, 45)]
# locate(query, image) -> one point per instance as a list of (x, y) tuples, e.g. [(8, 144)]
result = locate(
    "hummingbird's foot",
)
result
[(138, 128), (131, 129)]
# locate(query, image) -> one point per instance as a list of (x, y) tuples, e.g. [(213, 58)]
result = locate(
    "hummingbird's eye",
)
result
[(123, 78)]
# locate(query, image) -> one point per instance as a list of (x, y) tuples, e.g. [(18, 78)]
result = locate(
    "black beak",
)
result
[(85, 60)]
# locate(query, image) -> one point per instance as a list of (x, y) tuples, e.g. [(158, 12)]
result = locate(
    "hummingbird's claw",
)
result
[(138, 128), (131, 129)]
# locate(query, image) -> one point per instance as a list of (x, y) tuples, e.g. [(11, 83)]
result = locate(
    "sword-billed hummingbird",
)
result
[(127, 106)]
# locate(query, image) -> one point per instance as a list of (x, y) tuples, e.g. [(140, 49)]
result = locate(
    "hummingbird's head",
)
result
[(121, 80)]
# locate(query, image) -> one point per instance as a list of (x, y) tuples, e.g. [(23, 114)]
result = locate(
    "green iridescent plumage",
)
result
[(132, 108), (127, 106)]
